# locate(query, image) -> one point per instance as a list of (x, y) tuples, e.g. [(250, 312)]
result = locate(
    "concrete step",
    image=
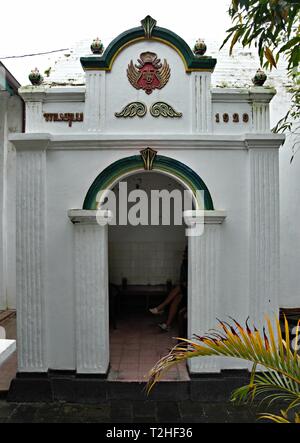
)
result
[(7, 347), (69, 387)]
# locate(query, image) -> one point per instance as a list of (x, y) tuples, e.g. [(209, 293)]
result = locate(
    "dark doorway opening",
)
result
[(144, 265)]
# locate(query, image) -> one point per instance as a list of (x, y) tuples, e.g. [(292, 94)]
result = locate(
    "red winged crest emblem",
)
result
[(149, 74)]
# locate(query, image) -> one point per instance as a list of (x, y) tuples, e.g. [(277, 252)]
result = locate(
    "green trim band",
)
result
[(110, 175), (191, 62)]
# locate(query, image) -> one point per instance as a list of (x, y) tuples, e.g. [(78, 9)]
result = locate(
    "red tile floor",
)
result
[(137, 344)]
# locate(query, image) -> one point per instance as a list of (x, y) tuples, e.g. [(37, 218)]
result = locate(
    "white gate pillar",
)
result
[(3, 153), (202, 102), (31, 254), (95, 101), (91, 293), (203, 283), (264, 231), (34, 97)]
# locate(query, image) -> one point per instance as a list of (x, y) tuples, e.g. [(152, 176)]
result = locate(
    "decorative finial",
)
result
[(35, 77), (200, 47), (148, 25), (148, 155), (259, 78), (97, 46)]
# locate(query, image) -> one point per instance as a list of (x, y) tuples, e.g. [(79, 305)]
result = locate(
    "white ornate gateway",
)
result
[(148, 89)]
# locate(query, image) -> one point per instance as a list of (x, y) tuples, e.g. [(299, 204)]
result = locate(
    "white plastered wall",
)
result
[(69, 176), (10, 122), (64, 165), (289, 207)]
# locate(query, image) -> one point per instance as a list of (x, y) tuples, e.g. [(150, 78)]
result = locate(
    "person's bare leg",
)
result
[(173, 309), (174, 293)]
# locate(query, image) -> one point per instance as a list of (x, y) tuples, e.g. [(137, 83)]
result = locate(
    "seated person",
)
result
[(176, 298)]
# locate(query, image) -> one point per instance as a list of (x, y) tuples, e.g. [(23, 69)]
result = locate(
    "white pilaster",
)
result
[(31, 256), (264, 233), (3, 158), (201, 102), (34, 116), (95, 101), (261, 117), (92, 306), (34, 97), (260, 98), (203, 285)]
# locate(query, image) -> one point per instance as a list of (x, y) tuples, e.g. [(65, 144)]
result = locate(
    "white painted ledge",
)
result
[(243, 95), (82, 216), (204, 217), (88, 141), (88, 217), (59, 94), (85, 216), (7, 347)]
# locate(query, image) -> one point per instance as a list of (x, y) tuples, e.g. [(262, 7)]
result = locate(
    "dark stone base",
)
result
[(30, 388), (217, 387), (69, 387)]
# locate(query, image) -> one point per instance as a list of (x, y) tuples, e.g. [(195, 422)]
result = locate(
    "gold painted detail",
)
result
[(165, 110), (148, 155), (132, 110), (148, 24)]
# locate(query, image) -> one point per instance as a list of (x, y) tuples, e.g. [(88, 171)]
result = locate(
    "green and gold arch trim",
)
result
[(153, 33), (129, 165)]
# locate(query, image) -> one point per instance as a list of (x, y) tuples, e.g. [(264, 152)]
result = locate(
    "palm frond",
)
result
[(270, 350), (283, 418), (274, 418)]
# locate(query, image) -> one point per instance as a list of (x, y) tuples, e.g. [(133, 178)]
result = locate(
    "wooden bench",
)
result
[(117, 294), (292, 315), (145, 291)]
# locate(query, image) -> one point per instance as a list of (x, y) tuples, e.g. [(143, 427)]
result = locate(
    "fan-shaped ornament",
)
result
[(149, 73)]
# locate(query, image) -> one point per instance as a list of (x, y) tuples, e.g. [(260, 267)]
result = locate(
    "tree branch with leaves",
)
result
[(273, 26)]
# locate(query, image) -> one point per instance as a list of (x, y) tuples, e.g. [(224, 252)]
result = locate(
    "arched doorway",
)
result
[(131, 165), (91, 262), (144, 267)]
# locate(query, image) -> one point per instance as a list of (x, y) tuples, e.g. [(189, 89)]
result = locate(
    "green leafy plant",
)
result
[(273, 26), (280, 382)]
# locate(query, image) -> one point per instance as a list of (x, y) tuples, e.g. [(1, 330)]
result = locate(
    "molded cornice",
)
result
[(52, 95), (164, 142), (241, 95)]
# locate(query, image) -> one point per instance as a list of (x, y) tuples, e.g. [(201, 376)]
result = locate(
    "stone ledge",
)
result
[(243, 95), (216, 217)]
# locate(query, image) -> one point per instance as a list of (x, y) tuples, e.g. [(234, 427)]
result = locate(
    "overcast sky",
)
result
[(30, 26)]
